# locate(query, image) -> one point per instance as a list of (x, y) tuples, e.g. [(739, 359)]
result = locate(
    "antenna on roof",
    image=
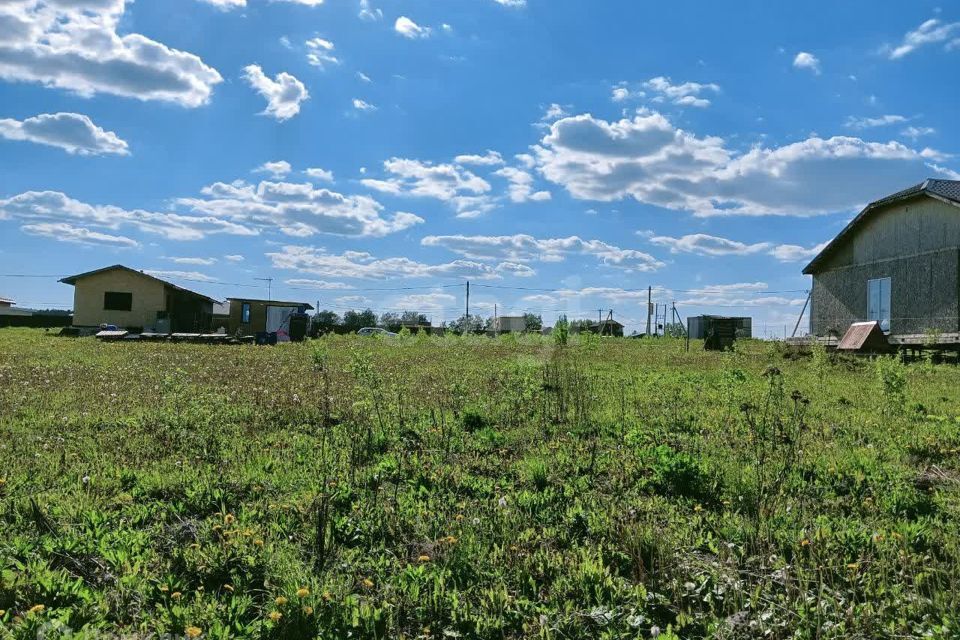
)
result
[(269, 282)]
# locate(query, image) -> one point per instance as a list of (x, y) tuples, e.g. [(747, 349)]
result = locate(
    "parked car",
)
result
[(375, 331)]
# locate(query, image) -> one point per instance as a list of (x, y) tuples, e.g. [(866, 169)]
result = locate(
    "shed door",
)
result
[(878, 302), (278, 321)]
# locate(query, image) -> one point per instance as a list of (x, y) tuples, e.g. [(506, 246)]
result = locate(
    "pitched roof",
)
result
[(7, 300), (72, 280), (945, 190)]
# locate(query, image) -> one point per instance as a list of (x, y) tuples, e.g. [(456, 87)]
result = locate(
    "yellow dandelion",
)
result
[(327, 596), (193, 632), (804, 542), (368, 583), (853, 565), (423, 558), (275, 616), (228, 587), (258, 542), (308, 610), (176, 595), (229, 519), (697, 509), (450, 539), (303, 592), (459, 517), (164, 588), (37, 608), (3, 612), (280, 601)]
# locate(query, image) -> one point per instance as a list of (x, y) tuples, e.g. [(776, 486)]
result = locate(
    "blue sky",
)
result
[(561, 155)]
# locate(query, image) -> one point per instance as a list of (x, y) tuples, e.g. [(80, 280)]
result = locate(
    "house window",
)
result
[(878, 302), (117, 301), (245, 313)]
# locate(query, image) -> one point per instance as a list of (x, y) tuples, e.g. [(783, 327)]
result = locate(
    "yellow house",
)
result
[(132, 299)]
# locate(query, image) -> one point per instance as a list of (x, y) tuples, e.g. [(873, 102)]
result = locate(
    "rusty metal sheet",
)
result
[(861, 334)]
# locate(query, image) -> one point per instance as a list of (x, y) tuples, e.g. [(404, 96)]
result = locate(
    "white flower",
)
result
[(654, 631), (502, 502)]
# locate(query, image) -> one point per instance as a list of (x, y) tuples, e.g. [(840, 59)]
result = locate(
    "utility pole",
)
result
[(496, 321), (269, 282), (802, 311), (649, 307), (468, 300)]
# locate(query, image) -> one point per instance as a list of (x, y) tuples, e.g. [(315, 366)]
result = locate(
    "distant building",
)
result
[(510, 324), (132, 299), (608, 327), (249, 316), (6, 303), (896, 263), (699, 326)]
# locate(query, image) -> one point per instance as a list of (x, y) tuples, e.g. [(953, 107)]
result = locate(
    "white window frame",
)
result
[(879, 301)]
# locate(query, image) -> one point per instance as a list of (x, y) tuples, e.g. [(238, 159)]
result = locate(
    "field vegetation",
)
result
[(426, 487)]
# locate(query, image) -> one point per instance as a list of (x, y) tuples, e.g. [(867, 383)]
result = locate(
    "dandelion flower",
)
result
[(258, 542), (424, 558), (303, 592), (308, 610), (459, 517), (229, 519), (3, 612), (193, 632), (368, 583), (176, 595), (280, 601), (228, 587), (275, 616), (804, 542), (37, 608), (327, 596)]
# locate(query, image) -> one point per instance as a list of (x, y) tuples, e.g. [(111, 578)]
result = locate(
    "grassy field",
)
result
[(474, 488)]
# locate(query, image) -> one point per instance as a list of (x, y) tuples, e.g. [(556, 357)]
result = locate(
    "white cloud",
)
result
[(424, 302), (525, 248), (353, 301), (234, 257), (686, 94), (932, 31), (65, 232), (805, 60), (361, 105), (367, 12), (512, 3), (552, 113), (277, 169), (298, 209), (410, 29), (74, 45), (36, 207), (356, 264), (363, 77), (226, 5), (646, 158), (707, 245), (318, 174), (917, 132), (284, 94), (463, 190), (307, 283), (320, 52), (878, 121), (72, 132), (490, 158), (521, 186), (179, 275), (192, 261)]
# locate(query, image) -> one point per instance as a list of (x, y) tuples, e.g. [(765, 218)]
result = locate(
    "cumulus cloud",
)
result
[(490, 158), (805, 60), (50, 211), (463, 190), (192, 261), (648, 159), (521, 186), (512, 3), (688, 94), (307, 283), (298, 209), (320, 52), (74, 45), (368, 12), (66, 232), (363, 105), (277, 169), (226, 5), (72, 132), (522, 248), (234, 257), (284, 94), (706, 245), (318, 174), (877, 121), (410, 29), (362, 265), (932, 31), (914, 133)]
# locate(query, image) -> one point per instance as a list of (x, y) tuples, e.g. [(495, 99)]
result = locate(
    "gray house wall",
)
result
[(917, 245)]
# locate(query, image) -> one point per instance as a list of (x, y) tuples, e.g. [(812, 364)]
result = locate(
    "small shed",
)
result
[(699, 326), (250, 317), (864, 337), (608, 327)]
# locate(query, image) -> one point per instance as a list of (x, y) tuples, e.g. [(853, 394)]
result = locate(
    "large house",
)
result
[(135, 300), (896, 263)]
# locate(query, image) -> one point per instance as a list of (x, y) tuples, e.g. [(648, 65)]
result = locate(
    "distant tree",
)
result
[(532, 322), (467, 324), (325, 321), (353, 321), (561, 330), (673, 329), (579, 326), (390, 321), (413, 318)]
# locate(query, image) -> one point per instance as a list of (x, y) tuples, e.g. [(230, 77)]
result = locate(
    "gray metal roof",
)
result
[(948, 190)]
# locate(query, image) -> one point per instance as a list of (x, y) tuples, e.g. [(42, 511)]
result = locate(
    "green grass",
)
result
[(474, 488)]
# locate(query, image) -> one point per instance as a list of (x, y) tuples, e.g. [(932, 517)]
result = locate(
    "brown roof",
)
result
[(72, 280), (946, 190), (863, 335)]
